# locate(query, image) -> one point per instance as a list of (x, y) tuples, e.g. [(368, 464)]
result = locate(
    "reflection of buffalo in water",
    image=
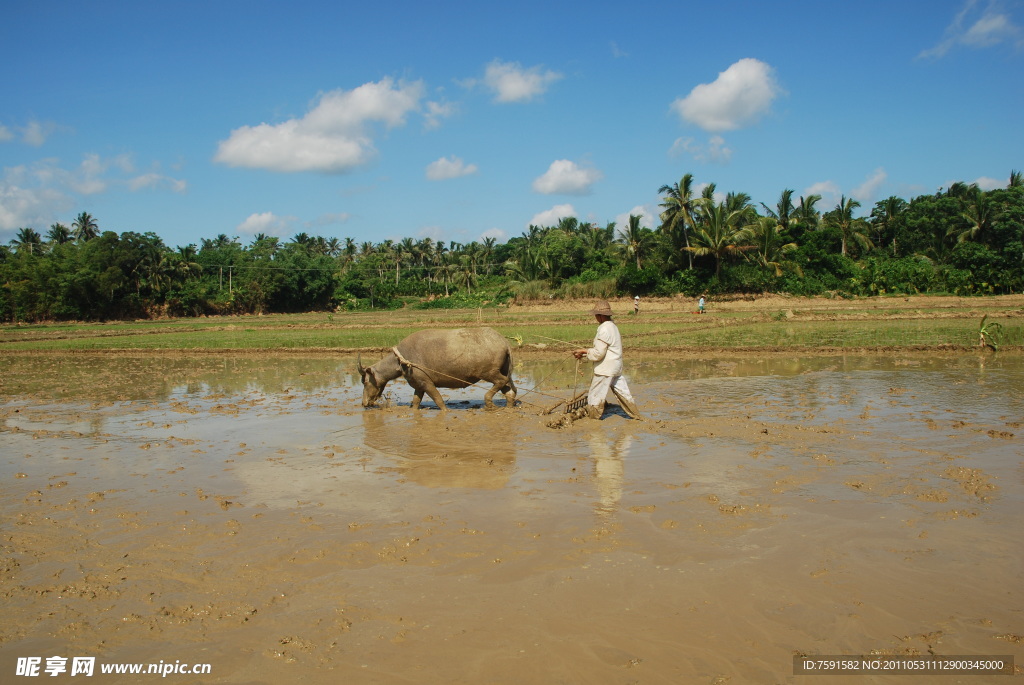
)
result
[(433, 359), (480, 454)]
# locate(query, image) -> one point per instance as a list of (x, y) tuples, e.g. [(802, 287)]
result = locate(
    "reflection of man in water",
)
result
[(609, 470), (607, 353)]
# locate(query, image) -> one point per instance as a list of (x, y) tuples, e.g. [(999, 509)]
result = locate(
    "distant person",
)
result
[(607, 355), (636, 304), (700, 305)]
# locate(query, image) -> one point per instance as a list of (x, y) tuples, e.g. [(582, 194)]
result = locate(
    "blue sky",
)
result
[(459, 120)]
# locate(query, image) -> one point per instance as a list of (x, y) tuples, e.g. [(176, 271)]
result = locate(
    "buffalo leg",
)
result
[(417, 397), (509, 391), (431, 390), (489, 395)]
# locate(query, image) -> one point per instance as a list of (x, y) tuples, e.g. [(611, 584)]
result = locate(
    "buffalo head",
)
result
[(372, 387)]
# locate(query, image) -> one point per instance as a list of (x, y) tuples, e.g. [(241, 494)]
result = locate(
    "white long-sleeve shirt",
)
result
[(607, 350)]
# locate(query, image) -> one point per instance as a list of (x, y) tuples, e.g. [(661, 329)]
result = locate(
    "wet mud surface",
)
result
[(248, 513)]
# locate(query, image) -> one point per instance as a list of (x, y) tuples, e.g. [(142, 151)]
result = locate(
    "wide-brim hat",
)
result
[(602, 307)]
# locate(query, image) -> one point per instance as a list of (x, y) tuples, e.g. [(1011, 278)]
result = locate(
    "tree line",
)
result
[(961, 240)]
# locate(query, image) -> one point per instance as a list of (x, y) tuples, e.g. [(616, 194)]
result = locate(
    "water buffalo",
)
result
[(433, 359)]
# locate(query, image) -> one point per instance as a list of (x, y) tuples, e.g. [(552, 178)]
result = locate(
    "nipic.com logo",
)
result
[(35, 666)]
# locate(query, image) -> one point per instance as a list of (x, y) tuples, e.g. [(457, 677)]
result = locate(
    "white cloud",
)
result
[(496, 233), (22, 206), (740, 96), (977, 27), (36, 195), (446, 168), (333, 137), (865, 193), (36, 133), (266, 222), (510, 82), (986, 183), (647, 216), (33, 133), (566, 177), (552, 216), (329, 219), (715, 150), (435, 233), (436, 111), (717, 195), (829, 192), (154, 181)]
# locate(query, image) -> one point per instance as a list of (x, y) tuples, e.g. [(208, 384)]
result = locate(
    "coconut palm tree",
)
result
[(487, 252), (1016, 181), (979, 213), (465, 273), (806, 213), (850, 229), (772, 250), (635, 239), (333, 247), (27, 240), (721, 233), (304, 241), (676, 217), (185, 264), (886, 215), (85, 227), (59, 234), (784, 209)]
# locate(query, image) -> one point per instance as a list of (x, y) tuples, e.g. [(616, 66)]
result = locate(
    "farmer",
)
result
[(607, 353), (700, 305), (636, 304)]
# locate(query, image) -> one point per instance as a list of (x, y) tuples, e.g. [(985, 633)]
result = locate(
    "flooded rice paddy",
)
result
[(248, 513)]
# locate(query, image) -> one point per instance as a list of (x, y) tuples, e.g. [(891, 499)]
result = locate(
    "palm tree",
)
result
[(959, 189), (186, 265), (410, 251), (487, 252), (739, 203), (980, 214), (721, 233), (303, 241), (850, 228), (445, 271), (59, 234), (597, 239), (886, 215), (784, 209), (677, 217), (708, 194), (569, 224), (85, 227), (27, 240), (772, 249), (1016, 181), (219, 243), (635, 239), (806, 213), (465, 273)]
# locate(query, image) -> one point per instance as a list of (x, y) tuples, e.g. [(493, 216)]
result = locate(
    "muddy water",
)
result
[(246, 512)]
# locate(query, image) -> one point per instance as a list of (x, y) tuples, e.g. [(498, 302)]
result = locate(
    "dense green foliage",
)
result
[(962, 240)]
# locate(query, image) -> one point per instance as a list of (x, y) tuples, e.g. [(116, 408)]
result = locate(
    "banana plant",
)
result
[(989, 333)]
